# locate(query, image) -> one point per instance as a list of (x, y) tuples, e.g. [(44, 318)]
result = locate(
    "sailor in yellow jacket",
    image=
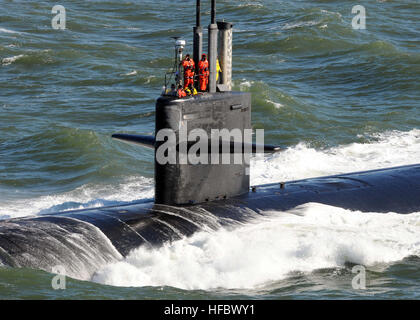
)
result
[(191, 91)]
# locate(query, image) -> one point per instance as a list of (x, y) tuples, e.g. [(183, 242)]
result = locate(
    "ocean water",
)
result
[(339, 100)]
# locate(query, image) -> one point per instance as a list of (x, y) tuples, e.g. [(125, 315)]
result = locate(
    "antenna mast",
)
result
[(213, 31)]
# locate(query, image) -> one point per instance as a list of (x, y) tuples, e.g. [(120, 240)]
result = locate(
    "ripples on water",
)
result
[(342, 100)]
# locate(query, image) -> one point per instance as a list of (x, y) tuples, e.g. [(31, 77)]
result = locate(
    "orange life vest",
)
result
[(203, 67), (188, 65), (204, 73), (181, 93)]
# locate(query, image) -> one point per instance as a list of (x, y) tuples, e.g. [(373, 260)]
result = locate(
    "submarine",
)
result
[(192, 197)]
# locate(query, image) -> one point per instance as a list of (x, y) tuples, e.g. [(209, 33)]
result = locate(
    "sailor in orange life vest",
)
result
[(189, 67), (181, 92), (203, 78)]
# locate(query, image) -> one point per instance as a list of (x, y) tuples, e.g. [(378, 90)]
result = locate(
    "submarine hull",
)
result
[(83, 240)]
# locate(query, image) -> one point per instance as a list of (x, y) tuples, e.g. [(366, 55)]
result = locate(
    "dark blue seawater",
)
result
[(339, 99)]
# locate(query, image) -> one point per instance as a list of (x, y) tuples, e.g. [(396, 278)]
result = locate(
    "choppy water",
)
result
[(340, 99)]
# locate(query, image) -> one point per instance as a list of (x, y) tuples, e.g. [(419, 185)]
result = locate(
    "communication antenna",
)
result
[(212, 46), (198, 37)]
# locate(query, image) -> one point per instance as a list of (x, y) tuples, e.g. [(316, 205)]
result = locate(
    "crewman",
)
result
[(189, 67), (171, 91), (181, 92), (191, 91), (203, 76)]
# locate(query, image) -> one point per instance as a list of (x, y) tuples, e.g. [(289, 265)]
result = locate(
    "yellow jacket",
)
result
[(218, 70), (189, 93)]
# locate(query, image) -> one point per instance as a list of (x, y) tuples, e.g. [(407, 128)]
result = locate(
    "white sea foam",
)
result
[(148, 79), (275, 104), (310, 237), (387, 149), (300, 24), (87, 196), (10, 60), (4, 30), (252, 4), (132, 73), (246, 84), (326, 12)]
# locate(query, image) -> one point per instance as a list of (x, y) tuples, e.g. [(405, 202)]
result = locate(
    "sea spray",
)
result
[(307, 238)]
